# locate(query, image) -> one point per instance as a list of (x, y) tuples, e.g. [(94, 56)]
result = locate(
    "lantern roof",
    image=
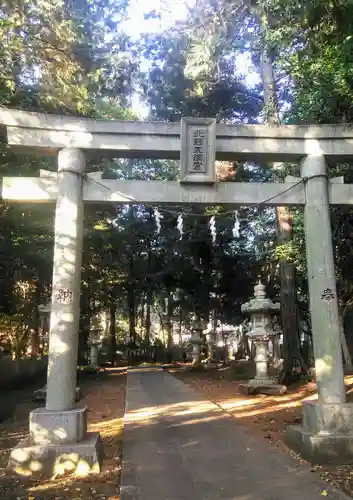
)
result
[(260, 303)]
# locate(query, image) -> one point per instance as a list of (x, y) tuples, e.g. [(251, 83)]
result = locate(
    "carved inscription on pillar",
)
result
[(197, 155), (64, 296)]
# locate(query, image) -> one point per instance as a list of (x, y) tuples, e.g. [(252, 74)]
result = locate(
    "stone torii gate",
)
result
[(59, 430)]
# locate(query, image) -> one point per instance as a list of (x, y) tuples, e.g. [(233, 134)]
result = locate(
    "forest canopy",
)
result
[(269, 61)]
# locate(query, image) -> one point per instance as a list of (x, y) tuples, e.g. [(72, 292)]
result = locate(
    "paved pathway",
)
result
[(178, 446)]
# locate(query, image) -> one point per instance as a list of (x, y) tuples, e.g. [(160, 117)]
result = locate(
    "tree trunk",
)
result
[(288, 295), (169, 322), (84, 322), (149, 302), (142, 312), (131, 308), (276, 356), (149, 295), (36, 322), (292, 356), (345, 351), (112, 333)]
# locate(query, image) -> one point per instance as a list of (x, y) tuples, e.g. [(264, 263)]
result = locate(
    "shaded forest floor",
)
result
[(266, 416), (104, 395)]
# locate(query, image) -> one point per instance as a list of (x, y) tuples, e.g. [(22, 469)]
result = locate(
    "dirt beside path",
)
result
[(104, 395), (266, 416)]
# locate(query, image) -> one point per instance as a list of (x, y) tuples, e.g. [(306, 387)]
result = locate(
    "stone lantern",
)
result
[(44, 311), (196, 340), (261, 331), (228, 333), (211, 342), (93, 341)]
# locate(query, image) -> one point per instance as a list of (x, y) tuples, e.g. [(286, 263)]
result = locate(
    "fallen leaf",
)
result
[(324, 493)]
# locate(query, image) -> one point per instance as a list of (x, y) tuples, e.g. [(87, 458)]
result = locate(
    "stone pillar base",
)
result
[(50, 427), (82, 457), (58, 442), (41, 394), (326, 436)]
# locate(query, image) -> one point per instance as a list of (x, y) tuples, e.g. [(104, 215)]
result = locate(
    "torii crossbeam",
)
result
[(327, 431)]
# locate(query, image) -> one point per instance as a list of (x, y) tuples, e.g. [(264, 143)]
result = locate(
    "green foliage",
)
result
[(174, 90), (71, 56)]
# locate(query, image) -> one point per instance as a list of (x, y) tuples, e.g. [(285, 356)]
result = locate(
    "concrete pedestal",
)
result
[(58, 442), (326, 436), (94, 356)]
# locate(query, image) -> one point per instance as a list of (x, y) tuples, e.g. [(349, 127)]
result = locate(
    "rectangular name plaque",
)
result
[(198, 150)]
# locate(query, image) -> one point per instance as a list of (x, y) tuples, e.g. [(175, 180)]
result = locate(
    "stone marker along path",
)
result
[(178, 446)]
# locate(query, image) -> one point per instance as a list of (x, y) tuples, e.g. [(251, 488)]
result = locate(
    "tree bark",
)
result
[(84, 322), (288, 295), (345, 351), (36, 322), (131, 303), (149, 295), (149, 301), (169, 322), (112, 333)]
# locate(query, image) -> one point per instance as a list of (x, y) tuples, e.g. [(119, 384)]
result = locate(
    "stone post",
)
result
[(94, 355), (65, 310), (327, 432), (322, 283), (60, 429), (196, 340)]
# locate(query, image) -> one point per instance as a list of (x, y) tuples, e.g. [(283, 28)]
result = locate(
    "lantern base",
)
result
[(265, 381), (269, 390)]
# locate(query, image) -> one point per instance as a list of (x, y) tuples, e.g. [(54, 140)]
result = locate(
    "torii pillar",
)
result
[(326, 435), (58, 438)]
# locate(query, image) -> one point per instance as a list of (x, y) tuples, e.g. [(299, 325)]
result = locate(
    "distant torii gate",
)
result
[(327, 431)]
